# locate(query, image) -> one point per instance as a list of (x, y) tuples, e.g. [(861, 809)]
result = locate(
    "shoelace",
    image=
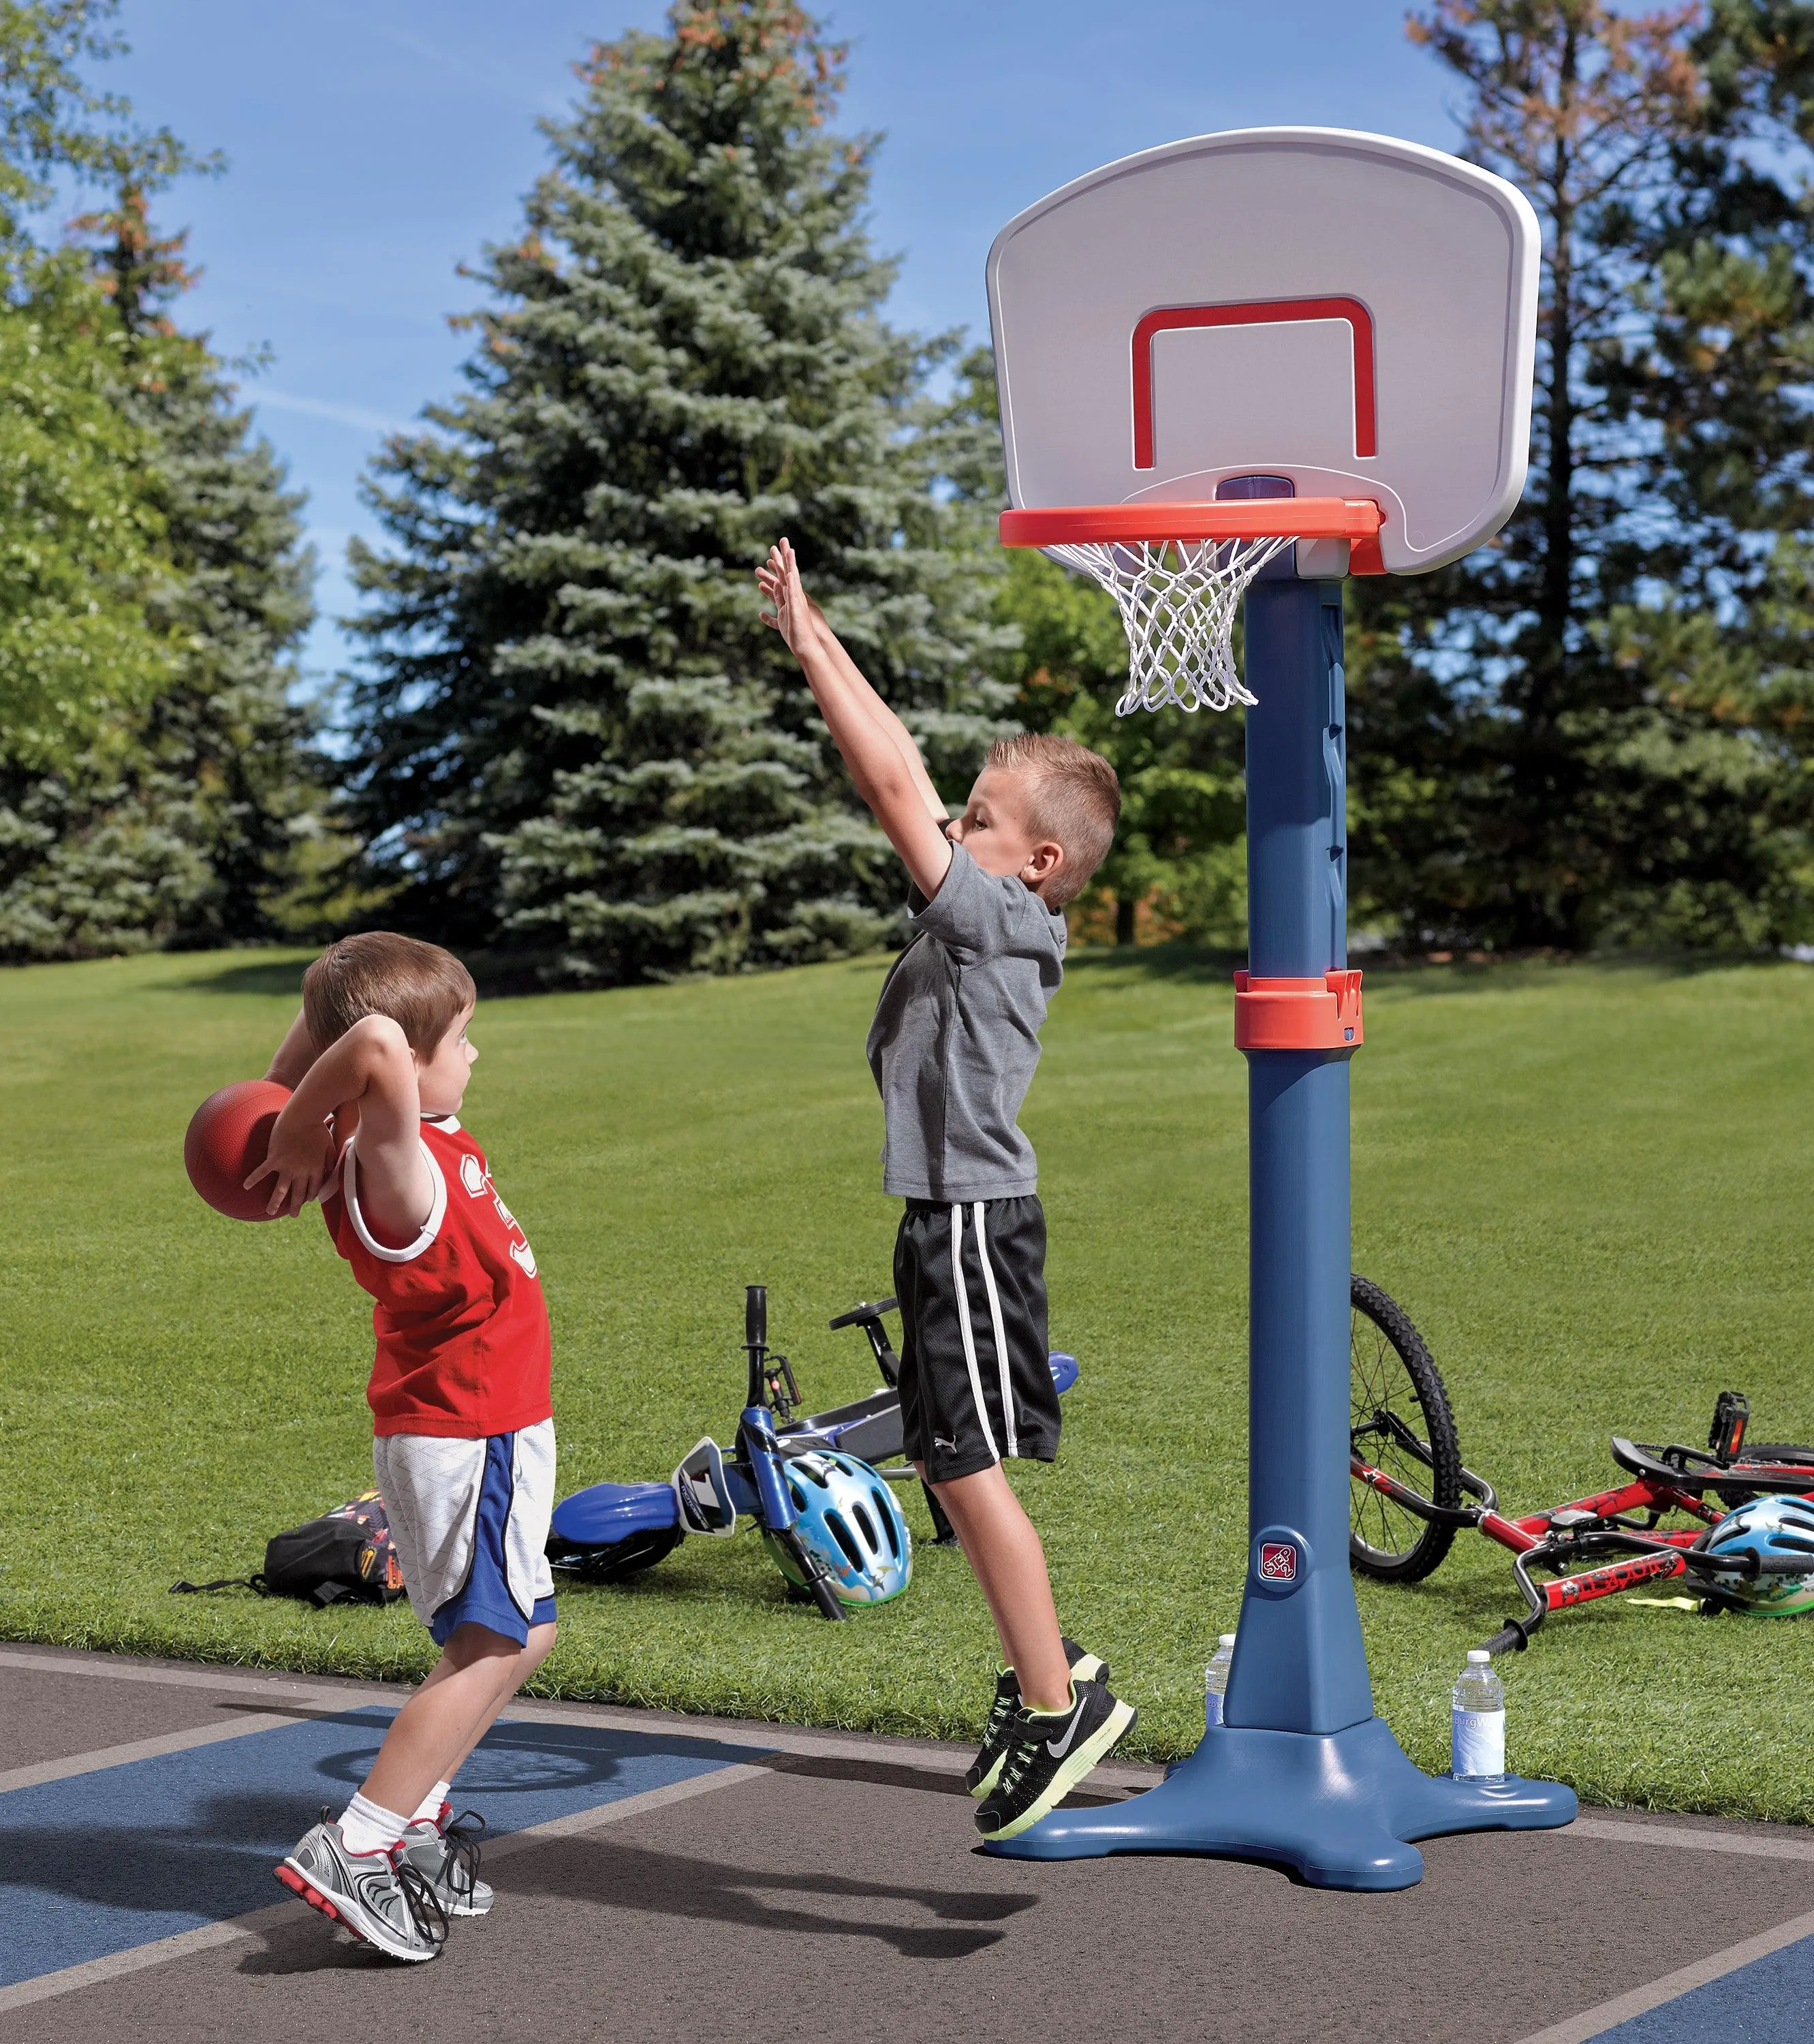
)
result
[(424, 1905), (460, 1839), (1002, 1714), (1025, 1742)]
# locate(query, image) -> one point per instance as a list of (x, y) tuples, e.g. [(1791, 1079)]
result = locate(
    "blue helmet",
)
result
[(1773, 1529), (848, 1519)]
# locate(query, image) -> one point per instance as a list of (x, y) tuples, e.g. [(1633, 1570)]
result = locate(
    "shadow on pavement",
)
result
[(212, 1870), (676, 1885), (893, 1774)]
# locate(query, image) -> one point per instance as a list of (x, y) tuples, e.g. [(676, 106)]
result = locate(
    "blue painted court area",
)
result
[(98, 1863), (1770, 2001)]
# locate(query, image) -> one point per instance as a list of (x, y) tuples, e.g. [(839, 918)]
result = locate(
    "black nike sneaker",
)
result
[(1049, 1753), (986, 1768)]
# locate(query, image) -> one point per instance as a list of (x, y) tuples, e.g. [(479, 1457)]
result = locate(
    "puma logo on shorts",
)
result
[(975, 1385)]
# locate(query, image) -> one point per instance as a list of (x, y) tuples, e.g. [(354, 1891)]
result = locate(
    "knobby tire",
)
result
[(1390, 1370)]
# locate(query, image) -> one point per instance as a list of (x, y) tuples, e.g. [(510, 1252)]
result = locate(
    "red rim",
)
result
[(1243, 518)]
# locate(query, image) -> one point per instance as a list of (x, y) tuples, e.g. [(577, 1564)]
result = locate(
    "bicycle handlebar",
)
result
[(1515, 1635), (1437, 1515)]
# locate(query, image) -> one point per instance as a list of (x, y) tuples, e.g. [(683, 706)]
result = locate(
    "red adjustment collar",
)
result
[(1297, 1014)]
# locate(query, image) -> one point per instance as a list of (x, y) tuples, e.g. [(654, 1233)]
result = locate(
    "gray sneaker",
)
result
[(445, 1851), (376, 1895)]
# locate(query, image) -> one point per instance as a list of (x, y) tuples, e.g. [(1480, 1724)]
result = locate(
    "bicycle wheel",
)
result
[(1399, 1421), (1782, 1453), (1776, 1451)]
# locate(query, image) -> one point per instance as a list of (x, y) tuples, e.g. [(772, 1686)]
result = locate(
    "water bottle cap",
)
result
[(1225, 1639), (1477, 1654)]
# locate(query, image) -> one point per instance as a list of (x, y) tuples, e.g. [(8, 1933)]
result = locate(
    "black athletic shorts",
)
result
[(975, 1385)]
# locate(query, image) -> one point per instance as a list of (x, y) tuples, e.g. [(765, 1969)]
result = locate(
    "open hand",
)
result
[(779, 579), (297, 1166)]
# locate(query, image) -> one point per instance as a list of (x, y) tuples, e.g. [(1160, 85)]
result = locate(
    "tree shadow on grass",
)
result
[(1422, 980), (1136, 966), (497, 974), (262, 976)]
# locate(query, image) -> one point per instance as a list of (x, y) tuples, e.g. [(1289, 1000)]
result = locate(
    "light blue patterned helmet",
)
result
[(1780, 1528), (848, 1518)]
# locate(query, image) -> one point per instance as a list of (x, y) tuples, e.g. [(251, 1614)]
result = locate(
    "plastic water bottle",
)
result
[(1478, 1721), (1215, 1679)]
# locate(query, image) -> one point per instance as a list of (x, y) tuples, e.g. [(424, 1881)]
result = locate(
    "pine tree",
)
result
[(1593, 731), (573, 734)]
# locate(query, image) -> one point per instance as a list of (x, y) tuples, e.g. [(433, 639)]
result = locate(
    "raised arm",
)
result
[(884, 761), (371, 1067), (294, 1056), (890, 726)]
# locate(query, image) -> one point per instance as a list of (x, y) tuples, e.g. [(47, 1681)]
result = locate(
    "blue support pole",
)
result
[(1301, 1772)]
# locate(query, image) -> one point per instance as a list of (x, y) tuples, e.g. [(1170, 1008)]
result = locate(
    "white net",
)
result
[(1179, 599)]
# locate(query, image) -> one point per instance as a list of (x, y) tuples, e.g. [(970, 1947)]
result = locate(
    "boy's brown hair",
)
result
[(423, 989), (1072, 797)]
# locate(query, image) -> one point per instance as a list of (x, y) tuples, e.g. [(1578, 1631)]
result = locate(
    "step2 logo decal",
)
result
[(1278, 1562)]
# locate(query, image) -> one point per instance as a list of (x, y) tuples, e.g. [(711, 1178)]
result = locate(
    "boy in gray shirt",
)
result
[(954, 1046)]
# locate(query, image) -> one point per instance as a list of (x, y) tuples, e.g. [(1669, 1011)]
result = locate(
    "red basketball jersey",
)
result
[(461, 1325)]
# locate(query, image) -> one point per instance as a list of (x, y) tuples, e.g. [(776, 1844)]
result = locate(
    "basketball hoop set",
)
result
[(1350, 319), (1233, 371)]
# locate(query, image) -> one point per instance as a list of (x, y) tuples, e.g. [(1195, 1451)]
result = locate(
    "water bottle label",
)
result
[(1478, 1742), (1213, 1707)]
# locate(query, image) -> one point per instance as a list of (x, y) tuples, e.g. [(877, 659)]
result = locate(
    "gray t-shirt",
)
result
[(955, 1037)]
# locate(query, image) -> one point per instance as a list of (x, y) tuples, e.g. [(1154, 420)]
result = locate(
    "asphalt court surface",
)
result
[(659, 1875)]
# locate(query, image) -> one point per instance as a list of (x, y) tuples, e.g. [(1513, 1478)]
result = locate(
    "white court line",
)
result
[(93, 1972), (1684, 1839), (348, 1695), (139, 1749), (46, 1987), (1591, 2022), (104, 1668)]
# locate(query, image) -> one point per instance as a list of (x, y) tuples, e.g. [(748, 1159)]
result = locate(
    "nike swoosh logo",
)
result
[(1059, 1747)]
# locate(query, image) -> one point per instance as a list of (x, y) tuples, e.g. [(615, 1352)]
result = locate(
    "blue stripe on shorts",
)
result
[(485, 1599)]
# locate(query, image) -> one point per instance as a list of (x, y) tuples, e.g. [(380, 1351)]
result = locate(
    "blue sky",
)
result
[(375, 145)]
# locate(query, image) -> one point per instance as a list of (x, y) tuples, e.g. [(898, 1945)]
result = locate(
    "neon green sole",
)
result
[(1086, 1668), (1083, 1760)]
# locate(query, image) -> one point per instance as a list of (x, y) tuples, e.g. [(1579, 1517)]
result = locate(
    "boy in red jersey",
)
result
[(464, 1452)]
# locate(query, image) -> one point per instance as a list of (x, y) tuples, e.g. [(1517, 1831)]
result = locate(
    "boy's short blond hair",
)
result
[(423, 989), (1072, 797)]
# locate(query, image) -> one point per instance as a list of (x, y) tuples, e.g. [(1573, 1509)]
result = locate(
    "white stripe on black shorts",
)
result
[(976, 1384)]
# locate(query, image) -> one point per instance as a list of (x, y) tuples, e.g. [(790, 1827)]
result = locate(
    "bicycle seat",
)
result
[(1642, 1459), (605, 1513), (1693, 1468), (864, 1310)]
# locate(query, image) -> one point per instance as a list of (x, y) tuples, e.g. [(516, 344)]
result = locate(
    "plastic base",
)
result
[(1340, 1808)]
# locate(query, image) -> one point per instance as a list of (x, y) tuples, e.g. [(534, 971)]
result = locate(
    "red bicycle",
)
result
[(1411, 1493)]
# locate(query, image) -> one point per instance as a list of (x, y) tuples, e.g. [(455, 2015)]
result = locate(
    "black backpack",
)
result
[(346, 1556)]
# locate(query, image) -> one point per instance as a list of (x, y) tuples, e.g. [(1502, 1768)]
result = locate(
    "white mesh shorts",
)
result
[(470, 1521)]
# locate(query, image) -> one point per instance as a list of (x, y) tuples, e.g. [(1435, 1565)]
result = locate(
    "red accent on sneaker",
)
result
[(316, 1899)]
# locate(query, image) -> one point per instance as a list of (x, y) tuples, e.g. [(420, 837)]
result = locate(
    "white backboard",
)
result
[(1356, 313)]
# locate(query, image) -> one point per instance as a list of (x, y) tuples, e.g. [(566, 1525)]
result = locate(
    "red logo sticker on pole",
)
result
[(1278, 1562)]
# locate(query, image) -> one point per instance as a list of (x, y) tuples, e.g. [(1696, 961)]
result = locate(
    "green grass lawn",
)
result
[(1588, 1185)]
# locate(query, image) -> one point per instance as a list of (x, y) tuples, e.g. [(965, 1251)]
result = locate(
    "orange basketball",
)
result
[(228, 1135)]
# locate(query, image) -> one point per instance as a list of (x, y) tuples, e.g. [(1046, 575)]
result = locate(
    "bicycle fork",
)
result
[(760, 1452)]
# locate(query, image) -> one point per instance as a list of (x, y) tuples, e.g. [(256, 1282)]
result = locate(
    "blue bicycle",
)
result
[(812, 1483)]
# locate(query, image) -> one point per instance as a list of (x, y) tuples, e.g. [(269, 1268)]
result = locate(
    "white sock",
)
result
[(369, 1828), (431, 1804)]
